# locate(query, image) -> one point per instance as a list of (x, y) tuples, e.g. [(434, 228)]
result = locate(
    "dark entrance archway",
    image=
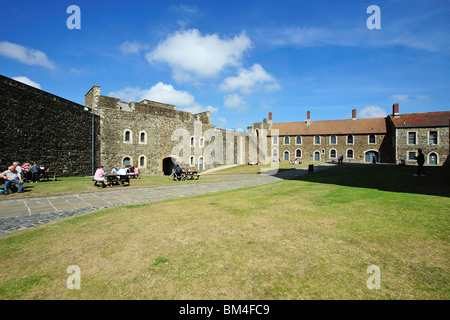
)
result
[(370, 155), (168, 164)]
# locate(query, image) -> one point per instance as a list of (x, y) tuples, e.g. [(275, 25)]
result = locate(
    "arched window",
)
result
[(349, 139), (127, 136), (333, 153), (316, 139), (192, 162), (142, 137), (192, 141), (372, 139), (298, 153), (286, 140), (142, 162), (126, 161), (333, 139), (298, 140), (275, 153), (200, 142), (275, 140), (349, 154), (433, 158)]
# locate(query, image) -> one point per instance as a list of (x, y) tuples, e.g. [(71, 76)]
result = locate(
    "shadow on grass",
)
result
[(387, 178)]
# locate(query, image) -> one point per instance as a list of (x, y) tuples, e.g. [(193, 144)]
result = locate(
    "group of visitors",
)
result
[(253, 163), (296, 161), (17, 174), (100, 173)]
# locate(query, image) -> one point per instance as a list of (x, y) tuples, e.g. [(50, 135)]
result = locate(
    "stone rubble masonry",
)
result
[(39, 126)]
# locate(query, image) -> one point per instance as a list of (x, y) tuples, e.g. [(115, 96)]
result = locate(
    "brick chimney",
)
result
[(354, 114), (308, 118), (395, 110)]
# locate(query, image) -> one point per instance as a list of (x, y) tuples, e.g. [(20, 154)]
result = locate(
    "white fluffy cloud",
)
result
[(25, 55), (27, 81), (192, 55), (400, 97), (164, 93), (249, 80), (372, 112), (235, 102)]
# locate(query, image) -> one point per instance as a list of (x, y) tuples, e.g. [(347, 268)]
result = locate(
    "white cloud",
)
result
[(192, 55), (235, 102), (423, 98), (249, 80), (372, 112), (131, 47), (27, 81), (164, 93), (25, 55), (400, 97)]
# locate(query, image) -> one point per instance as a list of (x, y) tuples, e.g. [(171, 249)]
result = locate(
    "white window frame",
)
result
[(289, 155), (125, 136), (192, 141), (301, 153), (123, 158), (192, 161), (301, 140), (353, 140), (275, 140), (437, 158), (407, 138), (437, 138), (288, 139), (201, 142), (335, 155), (407, 155), (145, 137), (275, 156), (320, 140), (331, 143), (368, 138), (145, 161), (346, 154), (314, 155)]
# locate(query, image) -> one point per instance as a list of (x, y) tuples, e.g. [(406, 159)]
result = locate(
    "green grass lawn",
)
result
[(70, 185), (309, 238), (256, 169)]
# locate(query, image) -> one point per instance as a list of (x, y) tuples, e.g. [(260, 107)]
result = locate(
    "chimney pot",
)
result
[(395, 109), (308, 117), (270, 116), (354, 114)]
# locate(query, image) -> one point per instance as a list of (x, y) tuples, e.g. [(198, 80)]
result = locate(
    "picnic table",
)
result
[(117, 179), (191, 175)]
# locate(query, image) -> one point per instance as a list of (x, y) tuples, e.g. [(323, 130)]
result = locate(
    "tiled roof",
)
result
[(328, 127), (425, 119)]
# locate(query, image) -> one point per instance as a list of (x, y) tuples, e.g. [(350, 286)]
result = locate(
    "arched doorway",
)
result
[(433, 158), (370, 155), (200, 163), (168, 164), (317, 156), (286, 155)]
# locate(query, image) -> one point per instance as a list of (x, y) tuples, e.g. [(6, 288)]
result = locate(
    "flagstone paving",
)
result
[(16, 215)]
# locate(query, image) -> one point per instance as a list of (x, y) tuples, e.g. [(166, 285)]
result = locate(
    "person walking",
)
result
[(420, 161)]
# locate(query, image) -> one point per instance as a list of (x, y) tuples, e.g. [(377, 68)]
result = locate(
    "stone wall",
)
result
[(39, 126), (422, 141)]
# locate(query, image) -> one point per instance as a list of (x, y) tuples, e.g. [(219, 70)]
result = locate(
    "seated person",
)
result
[(100, 175), (114, 169), (12, 176), (123, 171)]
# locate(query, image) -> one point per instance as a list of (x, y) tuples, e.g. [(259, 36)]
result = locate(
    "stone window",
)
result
[(412, 155), (192, 141), (200, 142), (275, 140), (350, 139), (298, 140), (333, 153), (316, 139), (142, 161), (287, 140), (126, 161), (298, 153), (275, 153), (192, 162), (372, 139), (349, 154), (433, 158), (127, 137), (333, 139), (412, 137), (142, 137), (433, 137)]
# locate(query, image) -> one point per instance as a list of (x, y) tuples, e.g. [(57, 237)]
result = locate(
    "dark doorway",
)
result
[(168, 164), (370, 155)]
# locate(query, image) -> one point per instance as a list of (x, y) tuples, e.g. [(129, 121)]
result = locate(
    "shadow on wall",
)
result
[(392, 178)]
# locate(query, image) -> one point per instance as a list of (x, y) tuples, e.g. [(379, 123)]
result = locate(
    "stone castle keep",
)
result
[(73, 139)]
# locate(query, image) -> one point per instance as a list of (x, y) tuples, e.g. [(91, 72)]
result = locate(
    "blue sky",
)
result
[(238, 59)]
